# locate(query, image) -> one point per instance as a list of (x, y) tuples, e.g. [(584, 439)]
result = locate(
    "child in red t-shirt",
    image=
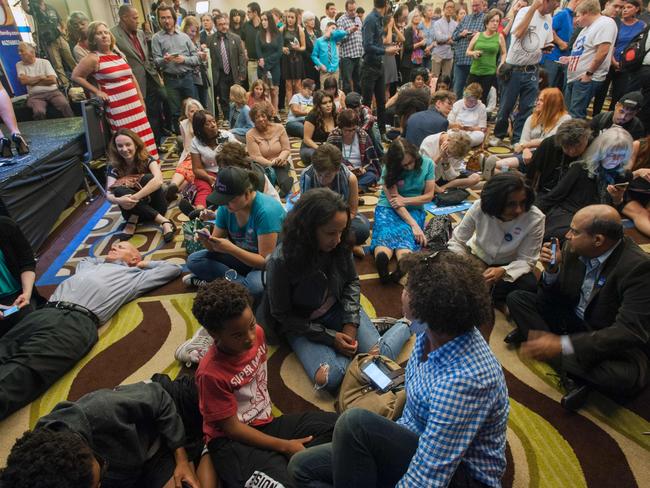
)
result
[(248, 446)]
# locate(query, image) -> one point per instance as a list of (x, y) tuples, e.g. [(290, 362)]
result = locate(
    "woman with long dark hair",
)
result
[(409, 183), (134, 182), (269, 48), (293, 68), (319, 123), (236, 21), (314, 293)]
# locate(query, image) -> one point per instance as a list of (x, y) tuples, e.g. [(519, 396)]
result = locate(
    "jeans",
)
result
[(556, 74), (313, 355), (461, 72), (279, 175), (296, 128), (350, 70), (369, 178), (523, 85), (209, 266), (178, 89), (578, 95), (372, 83), (360, 229)]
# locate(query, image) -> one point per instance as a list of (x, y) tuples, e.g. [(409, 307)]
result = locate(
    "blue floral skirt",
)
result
[(389, 230)]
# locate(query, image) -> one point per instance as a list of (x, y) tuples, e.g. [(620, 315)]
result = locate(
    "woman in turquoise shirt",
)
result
[(409, 183)]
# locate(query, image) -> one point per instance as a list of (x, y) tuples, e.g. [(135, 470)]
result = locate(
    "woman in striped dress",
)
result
[(118, 88)]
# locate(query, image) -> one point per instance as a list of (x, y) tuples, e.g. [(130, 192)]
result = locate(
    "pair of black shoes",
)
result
[(19, 141), (385, 277)]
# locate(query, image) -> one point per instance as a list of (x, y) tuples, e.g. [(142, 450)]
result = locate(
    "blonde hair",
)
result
[(191, 21), (473, 90), (588, 7), (92, 33), (612, 139), (458, 144), (238, 94)]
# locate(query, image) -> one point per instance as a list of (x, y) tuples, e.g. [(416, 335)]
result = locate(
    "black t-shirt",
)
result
[(110, 171), (248, 35), (319, 134), (47, 22), (604, 120)]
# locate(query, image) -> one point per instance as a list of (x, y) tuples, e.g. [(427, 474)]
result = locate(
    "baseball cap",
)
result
[(632, 100), (231, 182), (353, 100)]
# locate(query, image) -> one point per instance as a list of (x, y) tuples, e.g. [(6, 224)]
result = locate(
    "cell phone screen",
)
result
[(377, 376), (10, 310)]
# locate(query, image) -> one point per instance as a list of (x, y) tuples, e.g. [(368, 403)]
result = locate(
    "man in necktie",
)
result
[(325, 54), (228, 62), (590, 317)]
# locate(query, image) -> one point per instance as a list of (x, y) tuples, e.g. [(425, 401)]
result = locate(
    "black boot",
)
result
[(5, 148), (381, 261), (21, 144)]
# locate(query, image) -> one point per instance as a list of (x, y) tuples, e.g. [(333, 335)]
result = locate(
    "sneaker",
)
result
[(494, 141), (192, 280), (488, 167), (191, 351), (382, 324)]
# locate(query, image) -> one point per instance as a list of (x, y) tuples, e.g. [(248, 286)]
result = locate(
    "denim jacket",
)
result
[(240, 120), (284, 285)]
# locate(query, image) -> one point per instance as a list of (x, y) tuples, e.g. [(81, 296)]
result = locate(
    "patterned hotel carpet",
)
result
[(601, 446)]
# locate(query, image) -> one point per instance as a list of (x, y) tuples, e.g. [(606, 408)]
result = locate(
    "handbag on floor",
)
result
[(357, 390), (453, 196), (438, 232), (189, 229)]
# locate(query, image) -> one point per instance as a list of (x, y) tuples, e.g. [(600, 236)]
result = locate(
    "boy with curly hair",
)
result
[(248, 446)]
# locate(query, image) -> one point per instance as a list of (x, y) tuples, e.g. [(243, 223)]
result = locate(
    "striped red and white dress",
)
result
[(124, 110)]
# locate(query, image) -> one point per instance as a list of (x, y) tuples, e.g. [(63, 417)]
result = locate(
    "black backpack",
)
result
[(634, 52)]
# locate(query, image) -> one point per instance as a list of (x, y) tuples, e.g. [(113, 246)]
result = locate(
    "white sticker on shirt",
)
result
[(262, 480)]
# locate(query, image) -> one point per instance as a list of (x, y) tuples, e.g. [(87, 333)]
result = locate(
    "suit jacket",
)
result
[(139, 67), (618, 310), (236, 57)]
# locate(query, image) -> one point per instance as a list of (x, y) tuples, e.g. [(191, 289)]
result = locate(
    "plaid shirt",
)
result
[(457, 403), (471, 22), (351, 46), (366, 148)]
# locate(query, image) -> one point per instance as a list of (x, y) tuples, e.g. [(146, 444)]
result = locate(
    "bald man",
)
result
[(591, 314), (48, 342)]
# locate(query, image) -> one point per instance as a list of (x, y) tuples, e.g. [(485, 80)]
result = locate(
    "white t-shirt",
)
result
[(468, 117), (528, 49), (208, 155), (352, 153), (603, 29), (40, 67), (324, 21), (299, 99)]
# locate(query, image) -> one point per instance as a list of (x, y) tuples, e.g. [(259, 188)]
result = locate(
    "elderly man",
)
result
[(48, 342), (591, 316), (39, 77)]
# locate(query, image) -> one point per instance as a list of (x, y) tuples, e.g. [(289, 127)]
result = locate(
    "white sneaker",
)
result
[(488, 167), (191, 351), (192, 280), (494, 141)]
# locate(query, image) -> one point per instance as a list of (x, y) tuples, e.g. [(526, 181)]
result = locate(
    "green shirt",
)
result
[(486, 64), (8, 283)]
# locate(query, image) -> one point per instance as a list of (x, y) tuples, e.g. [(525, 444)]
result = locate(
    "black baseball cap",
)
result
[(632, 100), (353, 100), (231, 182)]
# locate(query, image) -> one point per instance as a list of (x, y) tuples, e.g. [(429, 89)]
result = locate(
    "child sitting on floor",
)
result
[(248, 446)]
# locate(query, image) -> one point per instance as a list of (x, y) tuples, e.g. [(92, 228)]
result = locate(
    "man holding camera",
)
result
[(590, 317)]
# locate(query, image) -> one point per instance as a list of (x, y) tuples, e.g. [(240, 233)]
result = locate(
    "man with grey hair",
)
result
[(556, 153), (39, 77)]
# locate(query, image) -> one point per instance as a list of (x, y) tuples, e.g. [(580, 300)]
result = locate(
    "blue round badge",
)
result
[(508, 237), (545, 25)]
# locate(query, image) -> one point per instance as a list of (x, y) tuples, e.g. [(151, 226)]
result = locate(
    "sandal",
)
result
[(169, 236), (128, 228)]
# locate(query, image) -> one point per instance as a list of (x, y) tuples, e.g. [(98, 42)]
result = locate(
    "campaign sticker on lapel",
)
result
[(601, 282)]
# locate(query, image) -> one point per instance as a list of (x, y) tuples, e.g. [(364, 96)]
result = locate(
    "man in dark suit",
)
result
[(591, 314), (131, 41), (207, 28), (228, 62)]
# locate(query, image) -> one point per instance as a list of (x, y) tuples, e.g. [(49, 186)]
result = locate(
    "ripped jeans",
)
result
[(313, 355)]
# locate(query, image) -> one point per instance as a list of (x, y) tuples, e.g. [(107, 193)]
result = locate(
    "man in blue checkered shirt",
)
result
[(466, 28), (351, 48), (453, 428)]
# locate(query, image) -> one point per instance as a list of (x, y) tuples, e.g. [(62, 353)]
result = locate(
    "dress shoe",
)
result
[(515, 337), (575, 397), (21, 144)]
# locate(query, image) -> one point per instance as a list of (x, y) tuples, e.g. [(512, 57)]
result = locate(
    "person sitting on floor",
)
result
[(504, 231), (313, 292), (637, 195), (268, 144), (246, 231), (588, 181), (131, 436), (367, 121), (331, 87), (624, 115), (300, 105), (590, 317), (409, 183), (448, 150), (239, 118), (326, 171), (247, 444), (358, 151), (134, 182), (549, 112), (470, 115), (319, 123), (17, 276), (431, 121), (452, 431), (555, 154), (39, 77), (43, 346)]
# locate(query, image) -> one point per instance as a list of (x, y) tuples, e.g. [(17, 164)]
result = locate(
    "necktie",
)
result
[(224, 56), (329, 54)]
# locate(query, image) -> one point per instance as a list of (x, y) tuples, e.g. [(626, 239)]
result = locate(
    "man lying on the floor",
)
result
[(43, 346), (134, 435)]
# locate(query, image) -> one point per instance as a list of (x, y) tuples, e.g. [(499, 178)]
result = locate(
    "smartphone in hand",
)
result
[(11, 310), (554, 245), (204, 233)]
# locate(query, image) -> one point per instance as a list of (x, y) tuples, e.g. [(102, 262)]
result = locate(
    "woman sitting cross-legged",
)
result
[(318, 125), (134, 183), (268, 144), (359, 153), (246, 230), (470, 115), (314, 293), (239, 118), (448, 150), (327, 171), (504, 231), (409, 183)]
